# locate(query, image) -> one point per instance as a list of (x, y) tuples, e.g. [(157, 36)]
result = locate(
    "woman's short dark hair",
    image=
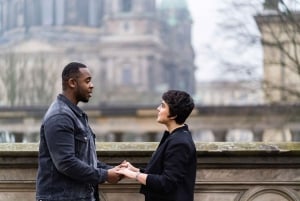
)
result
[(71, 70), (180, 104)]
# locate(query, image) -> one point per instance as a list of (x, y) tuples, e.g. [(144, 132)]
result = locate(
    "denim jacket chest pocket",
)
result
[(82, 138)]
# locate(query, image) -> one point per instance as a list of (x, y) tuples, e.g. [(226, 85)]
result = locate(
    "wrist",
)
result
[(137, 176)]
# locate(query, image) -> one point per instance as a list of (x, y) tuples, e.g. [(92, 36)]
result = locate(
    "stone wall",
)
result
[(226, 171)]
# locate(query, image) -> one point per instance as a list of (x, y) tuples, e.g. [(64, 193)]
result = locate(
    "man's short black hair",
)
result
[(180, 104), (71, 70)]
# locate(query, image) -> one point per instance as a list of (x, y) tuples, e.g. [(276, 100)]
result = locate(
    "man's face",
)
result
[(85, 86)]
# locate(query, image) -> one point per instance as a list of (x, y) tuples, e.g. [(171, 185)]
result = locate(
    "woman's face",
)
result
[(163, 113)]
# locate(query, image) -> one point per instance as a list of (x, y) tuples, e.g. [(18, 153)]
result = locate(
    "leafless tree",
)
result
[(27, 80), (275, 26)]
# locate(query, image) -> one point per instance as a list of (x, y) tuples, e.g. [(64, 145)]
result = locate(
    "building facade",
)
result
[(279, 27), (135, 48), (228, 93)]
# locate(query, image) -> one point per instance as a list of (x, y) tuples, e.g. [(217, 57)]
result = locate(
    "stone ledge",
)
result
[(146, 148), (225, 170)]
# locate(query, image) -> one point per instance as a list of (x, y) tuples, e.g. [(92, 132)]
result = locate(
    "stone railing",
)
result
[(261, 123), (226, 171)]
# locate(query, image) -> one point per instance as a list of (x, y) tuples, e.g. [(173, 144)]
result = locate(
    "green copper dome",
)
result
[(173, 4), (174, 11)]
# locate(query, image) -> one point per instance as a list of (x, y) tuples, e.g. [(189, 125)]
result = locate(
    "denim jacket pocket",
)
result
[(81, 137), (81, 143)]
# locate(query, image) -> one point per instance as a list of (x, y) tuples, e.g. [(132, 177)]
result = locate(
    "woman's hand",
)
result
[(127, 173), (126, 164), (138, 176)]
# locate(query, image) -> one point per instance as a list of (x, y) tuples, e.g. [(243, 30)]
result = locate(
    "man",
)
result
[(68, 166), (170, 174)]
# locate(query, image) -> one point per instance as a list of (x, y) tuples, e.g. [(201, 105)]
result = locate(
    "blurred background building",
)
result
[(280, 37), (235, 92), (136, 49)]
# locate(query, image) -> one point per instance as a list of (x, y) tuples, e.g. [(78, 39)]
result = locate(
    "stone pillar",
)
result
[(295, 135), (203, 136), (239, 135), (219, 135), (257, 134), (276, 135), (118, 136), (152, 137)]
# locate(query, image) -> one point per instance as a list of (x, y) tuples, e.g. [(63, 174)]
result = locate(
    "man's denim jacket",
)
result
[(66, 170)]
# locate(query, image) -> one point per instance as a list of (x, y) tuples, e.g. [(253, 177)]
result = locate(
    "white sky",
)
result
[(206, 15)]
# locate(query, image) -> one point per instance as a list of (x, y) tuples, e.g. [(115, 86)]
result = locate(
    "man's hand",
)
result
[(112, 176)]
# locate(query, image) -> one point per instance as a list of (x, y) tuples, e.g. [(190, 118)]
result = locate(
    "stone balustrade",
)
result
[(226, 171), (124, 123)]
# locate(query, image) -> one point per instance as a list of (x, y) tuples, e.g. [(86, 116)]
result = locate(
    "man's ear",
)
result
[(72, 83)]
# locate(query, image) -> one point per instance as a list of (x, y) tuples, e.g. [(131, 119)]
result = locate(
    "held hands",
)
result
[(113, 176), (127, 173), (128, 170), (124, 169)]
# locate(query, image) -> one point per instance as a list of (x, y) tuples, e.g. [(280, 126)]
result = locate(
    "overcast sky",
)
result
[(206, 33), (204, 14)]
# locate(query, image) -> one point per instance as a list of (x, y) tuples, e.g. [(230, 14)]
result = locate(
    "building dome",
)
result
[(174, 11), (173, 4)]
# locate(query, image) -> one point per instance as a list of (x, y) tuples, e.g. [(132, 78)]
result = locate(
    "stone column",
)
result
[(152, 137), (118, 136), (220, 135), (295, 135), (257, 134)]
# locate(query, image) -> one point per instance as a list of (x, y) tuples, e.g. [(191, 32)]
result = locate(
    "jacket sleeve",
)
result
[(103, 165), (59, 135), (175, 160)]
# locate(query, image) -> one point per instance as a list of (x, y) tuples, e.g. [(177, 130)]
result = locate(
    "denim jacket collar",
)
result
[(73, 107)]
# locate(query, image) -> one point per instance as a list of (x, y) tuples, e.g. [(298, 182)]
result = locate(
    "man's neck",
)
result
[(70, 96)]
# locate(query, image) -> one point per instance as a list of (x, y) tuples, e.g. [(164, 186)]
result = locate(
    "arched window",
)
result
[(47, 12), (95, 8), (71, 12), (126, 75), (32, 13), (82, 12), (76, 12), (59, 12), (126, 6), (11, 19)]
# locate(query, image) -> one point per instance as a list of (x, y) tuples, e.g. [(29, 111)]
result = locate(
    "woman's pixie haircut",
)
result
[(180, 104)]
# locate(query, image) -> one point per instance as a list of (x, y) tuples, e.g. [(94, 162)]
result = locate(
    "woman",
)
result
[(170, 173)]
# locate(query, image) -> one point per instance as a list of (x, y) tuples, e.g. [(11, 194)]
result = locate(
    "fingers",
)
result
[(126, 172), (124, 164)]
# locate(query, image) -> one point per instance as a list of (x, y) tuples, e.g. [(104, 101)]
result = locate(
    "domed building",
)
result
[(135, 48)]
